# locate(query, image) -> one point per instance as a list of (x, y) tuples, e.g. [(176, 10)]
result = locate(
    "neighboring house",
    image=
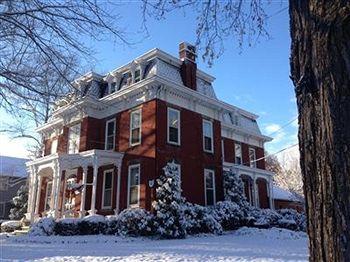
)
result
[(13, 175), (286, 199), (106, 145)]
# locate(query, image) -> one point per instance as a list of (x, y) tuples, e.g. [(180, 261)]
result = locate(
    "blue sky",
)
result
[(256, 79)]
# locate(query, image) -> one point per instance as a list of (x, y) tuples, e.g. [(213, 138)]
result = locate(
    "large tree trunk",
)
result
[(320, 69)]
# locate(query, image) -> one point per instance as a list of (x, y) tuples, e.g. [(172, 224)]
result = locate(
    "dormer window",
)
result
[(137, 75), (112, 87)]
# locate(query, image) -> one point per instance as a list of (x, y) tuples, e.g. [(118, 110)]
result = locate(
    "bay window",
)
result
[(208, 136), (134, 185), (173, 126), (107, 189), (209, 183), (110, 135), (135, 127)]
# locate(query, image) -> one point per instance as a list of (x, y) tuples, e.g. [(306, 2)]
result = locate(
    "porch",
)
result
[(58, 183), (258, 186)]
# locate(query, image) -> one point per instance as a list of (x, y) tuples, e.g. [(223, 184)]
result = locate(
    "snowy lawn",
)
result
[(245, 244)]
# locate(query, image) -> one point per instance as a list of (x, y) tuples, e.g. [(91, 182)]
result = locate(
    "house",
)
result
[(106, 144), (13, 175), (285, 199)]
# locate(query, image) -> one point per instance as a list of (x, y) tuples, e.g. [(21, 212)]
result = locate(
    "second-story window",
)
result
[(74, 139), (110, 135), (238, 154), (53, 148), (208, 136), (135, 127), (252, 157), (173, 126)]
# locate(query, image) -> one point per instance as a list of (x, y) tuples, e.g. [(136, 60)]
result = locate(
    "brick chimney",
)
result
[(188, 70)]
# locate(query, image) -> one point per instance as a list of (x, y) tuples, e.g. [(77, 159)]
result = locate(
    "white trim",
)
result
[(138, 110), (46, 195), (138, 199), (179, 126), (106, 133), (212, 136), (103, 188), (210, 171)]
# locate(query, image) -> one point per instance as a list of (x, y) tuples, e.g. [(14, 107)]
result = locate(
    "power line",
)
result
[(282, 127)]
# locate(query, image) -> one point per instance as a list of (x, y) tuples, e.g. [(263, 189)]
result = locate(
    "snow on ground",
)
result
[(245, 244)]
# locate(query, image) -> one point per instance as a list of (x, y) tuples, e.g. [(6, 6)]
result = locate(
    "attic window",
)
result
[(137, 75), (111, 87)]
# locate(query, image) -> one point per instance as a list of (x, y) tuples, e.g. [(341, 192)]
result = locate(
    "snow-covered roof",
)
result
[(13, 166), (283, 194)]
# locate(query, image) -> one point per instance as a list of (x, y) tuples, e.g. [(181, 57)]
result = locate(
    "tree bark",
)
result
[(320, 71)]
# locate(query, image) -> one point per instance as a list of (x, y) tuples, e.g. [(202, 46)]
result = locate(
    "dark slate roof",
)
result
[(13, 166)]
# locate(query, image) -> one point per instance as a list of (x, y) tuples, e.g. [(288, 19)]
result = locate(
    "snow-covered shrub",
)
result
[(20, 203), (44, 227), (293, 215), (67, 227), (233, 190), (230, 215), (10, 226), (92, 225), (132, 222), (199, 219), (169, 205), (264, 218)]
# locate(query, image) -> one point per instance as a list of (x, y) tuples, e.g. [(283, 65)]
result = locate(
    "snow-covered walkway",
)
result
[(246, 244)]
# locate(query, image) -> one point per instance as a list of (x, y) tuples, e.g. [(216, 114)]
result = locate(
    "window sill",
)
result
[(173, 143)]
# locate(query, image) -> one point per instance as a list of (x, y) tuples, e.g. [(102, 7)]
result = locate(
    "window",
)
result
[(53, 149), (48, 196), (238, 154), (209, 178), (112, 86), (74, 139), (110, 135), (107, 189), (208, 136), (134, 185), (252, 157), (173, 126), (135, 127), (2, 209), (137, 75)]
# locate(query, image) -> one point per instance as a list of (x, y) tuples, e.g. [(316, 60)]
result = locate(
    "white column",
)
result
[(38, 192), (92, 211), (31, 194), (57, 188), (256, 193), (118, 189), (272, 202), (83, 192)]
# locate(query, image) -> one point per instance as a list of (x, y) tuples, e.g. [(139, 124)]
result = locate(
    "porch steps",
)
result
[(23, 231)]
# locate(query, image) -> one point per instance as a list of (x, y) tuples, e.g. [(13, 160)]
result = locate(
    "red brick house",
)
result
[(106, 144)]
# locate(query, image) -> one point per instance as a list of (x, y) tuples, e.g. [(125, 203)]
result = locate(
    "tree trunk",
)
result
[(320, 70)]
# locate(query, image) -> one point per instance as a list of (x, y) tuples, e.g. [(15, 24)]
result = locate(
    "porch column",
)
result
[(92, 211), (83, 192), (270, 187), (38, 192), (118, 189), (31, 194), (58, 173), (256, 193)]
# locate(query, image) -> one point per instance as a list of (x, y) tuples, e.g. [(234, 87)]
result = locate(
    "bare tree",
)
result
[(320, 71), (51, 31)]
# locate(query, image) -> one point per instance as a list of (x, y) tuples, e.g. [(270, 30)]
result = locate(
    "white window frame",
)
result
[(240, 149), (212, 136), (78, 138), (210, 171), (46, 195), (168, 126), (136, 80), (252, 164), (54, 144), (140, 127), (110, 87), (139, 186), (104, 190), (106, 133)]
